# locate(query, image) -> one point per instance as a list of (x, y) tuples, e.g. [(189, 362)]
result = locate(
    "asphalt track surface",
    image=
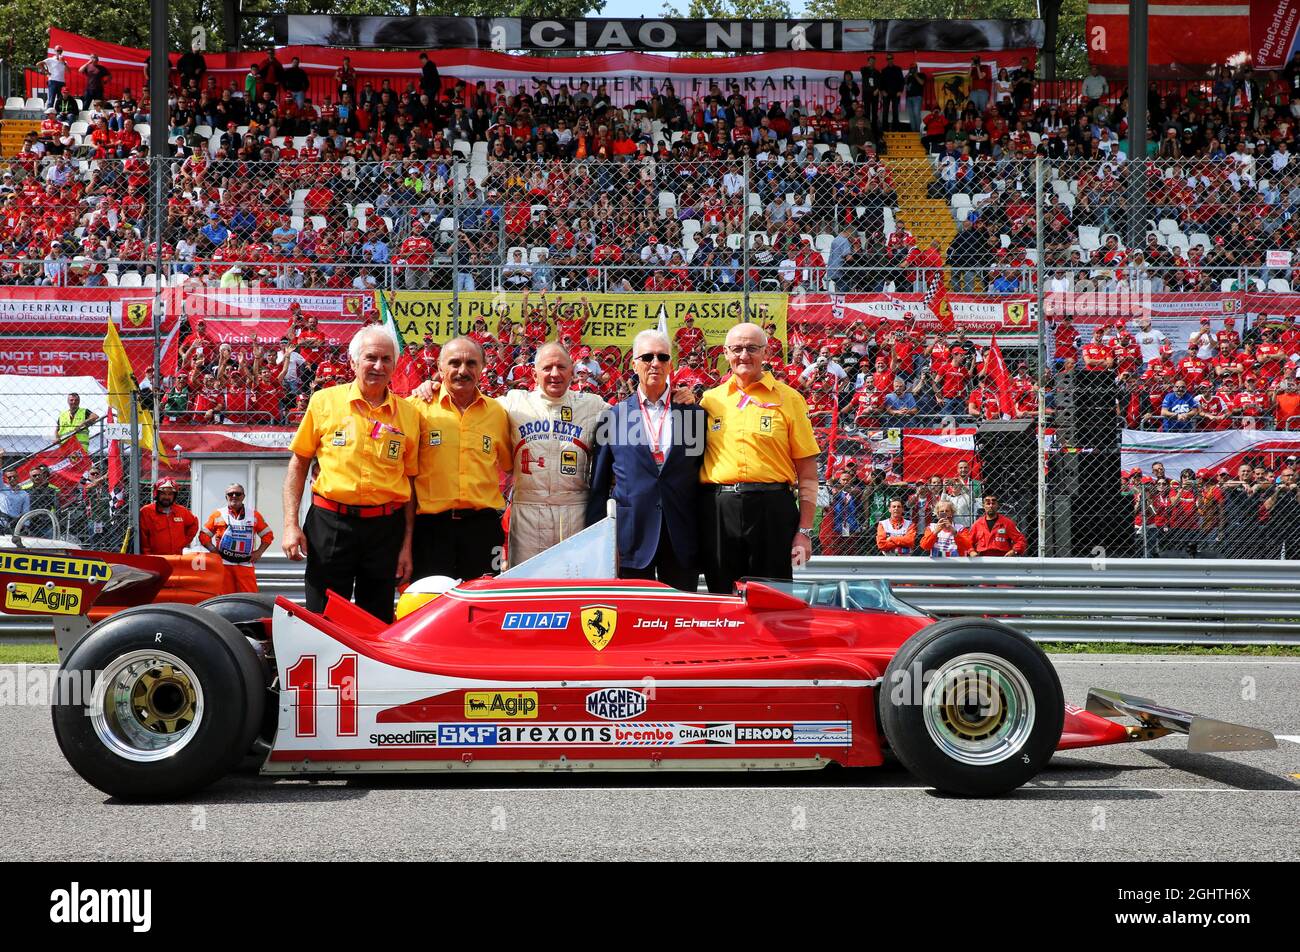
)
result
[(1136, 802)]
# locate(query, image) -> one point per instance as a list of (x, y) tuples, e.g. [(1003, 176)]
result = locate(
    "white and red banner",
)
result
[(812, 76), (1274, 31), (936, 452), (975, 312), (59, 332), (1208, 450)]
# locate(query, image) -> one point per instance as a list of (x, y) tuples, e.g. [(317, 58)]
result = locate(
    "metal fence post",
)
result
[(135, 472), (1042, 356), (455, 254), (744, 241)]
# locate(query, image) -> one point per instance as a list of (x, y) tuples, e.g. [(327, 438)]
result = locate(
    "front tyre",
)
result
[(175, 700), (972, 707)]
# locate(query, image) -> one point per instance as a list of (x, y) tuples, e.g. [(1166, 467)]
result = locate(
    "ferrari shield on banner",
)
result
[(68, 462)]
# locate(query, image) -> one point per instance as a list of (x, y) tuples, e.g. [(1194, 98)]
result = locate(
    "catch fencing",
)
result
[(1107, 346)]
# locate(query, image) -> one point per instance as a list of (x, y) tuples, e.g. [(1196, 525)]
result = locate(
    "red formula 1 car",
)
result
[(581, 675)]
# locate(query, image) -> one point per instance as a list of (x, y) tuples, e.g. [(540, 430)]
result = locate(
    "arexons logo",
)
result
[(76, 905)]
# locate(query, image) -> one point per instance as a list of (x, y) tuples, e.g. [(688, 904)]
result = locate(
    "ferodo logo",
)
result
[(55, 599), (501, 705)]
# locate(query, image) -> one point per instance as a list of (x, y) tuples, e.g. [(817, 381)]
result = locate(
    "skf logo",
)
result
[(599, 623), (55, 599), (1016, 313), (137, 313), (501, 705), (566, 414)]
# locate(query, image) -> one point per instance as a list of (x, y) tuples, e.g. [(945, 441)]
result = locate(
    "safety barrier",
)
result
[(1174, 601)]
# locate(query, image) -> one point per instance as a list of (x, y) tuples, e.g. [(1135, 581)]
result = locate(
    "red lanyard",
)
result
[(653, 434)]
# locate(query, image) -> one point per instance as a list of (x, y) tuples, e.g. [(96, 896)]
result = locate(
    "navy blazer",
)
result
[(647, 496)]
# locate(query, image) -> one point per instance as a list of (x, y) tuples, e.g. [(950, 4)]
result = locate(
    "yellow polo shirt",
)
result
[(366, 454), (757, 442), (461, 454)]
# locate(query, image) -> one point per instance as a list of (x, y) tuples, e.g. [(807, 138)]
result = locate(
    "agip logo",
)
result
[(501, 705), (55, 599)]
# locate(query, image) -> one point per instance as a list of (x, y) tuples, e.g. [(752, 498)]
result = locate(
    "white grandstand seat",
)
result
[(842, 150), (144, 129), (242, 130), (821, 148), (1179, 243), (34, 103), (478, 171), (110, 279), (1201, 238), (1168, 226), (535, 254), (298, 141), (203, 132), (691, 226), (461, 147), (15, 102), (1279, 284), (823, 244), (295, 222), (1004, 240), (361, 211), (84, 115), (130, 279), (1034, 139), (735, 240), (179, 278), (510, 252), (672, 139), (689, 244), (1228, 284), (318, 222), (1031, 254), (890, 225), (1257, 284), (891, 287), (667, 200), (1089, 237), (960, 205), (478, 152)]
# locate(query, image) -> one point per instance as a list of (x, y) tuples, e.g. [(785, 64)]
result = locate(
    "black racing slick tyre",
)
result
[(972, 707), (240, 607), (159, 701)]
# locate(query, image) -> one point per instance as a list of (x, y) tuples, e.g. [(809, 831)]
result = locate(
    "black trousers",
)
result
[(463, 548), (357, 558), (665, 567), (746, 535)]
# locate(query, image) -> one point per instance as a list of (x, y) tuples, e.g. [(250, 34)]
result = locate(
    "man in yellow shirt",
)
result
[(759, 446), (465, 446), (357, 536)]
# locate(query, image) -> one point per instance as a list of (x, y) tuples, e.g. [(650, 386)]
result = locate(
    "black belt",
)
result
[(752, 488), (462, 513)]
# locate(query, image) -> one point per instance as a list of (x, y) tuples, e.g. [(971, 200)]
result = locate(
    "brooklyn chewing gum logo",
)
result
[(75, 905)]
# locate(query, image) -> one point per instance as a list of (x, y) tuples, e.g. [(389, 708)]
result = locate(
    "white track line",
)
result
[(1253, 659), (900, 789), (1293, 738)]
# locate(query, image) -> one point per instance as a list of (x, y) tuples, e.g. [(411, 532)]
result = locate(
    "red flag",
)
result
[(996, 376), (831, 437), (114, 461), (936, 299), (68, 462)]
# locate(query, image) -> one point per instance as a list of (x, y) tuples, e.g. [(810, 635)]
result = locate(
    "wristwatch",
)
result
[(806, 533)]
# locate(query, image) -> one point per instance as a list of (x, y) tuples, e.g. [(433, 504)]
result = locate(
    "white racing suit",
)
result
[(553, 440)]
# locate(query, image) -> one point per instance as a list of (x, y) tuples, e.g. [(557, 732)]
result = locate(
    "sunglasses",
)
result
[(650, 358), (234, 495)]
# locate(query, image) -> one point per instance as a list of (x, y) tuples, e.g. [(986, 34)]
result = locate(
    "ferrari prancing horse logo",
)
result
[(598, 624)]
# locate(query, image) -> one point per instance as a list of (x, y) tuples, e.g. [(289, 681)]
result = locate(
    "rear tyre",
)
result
[(246, 609), (175, 699), (972, 707), (240, 607)]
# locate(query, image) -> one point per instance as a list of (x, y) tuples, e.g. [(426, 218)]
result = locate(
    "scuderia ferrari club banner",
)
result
[(59, 332), (812, 75), (651, 33)]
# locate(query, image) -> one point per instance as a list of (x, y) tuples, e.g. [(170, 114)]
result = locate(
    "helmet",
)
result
[(165, 483), (421, 592)]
